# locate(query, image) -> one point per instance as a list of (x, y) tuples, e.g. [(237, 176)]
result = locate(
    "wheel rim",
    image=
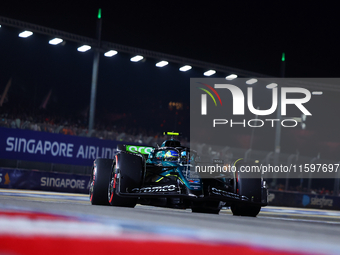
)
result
[(92, 184), (110, 190)]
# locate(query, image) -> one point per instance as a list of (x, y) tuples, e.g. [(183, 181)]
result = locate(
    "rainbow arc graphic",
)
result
[(204, 97)]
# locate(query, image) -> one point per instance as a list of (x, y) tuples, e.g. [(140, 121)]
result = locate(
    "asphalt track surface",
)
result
[(286, 229)]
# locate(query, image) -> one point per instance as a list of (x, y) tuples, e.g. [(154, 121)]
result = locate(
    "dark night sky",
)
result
[(249, 35)]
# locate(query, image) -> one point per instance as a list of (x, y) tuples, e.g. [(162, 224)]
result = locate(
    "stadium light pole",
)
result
[(95, 73), (278, 113), (277, 148)]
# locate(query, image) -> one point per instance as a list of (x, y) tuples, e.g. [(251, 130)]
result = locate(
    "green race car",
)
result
[(166, 176)]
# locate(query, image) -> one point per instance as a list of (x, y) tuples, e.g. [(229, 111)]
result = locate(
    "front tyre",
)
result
[(100, 180), (112, 197), (249, 187)]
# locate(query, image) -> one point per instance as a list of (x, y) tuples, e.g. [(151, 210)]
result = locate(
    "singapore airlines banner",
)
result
[(39, 180), (53, 148)]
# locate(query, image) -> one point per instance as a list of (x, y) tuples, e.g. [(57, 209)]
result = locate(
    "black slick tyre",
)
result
[(112, 197), (100, 180)]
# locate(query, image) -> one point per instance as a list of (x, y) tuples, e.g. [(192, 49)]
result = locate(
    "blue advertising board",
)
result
[(39, 146), (47, 181), (303, 200)]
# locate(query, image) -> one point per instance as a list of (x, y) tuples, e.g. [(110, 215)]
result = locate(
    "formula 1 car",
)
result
[(164, 176)]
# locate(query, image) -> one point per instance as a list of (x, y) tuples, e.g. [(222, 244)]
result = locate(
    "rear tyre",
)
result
[(245, 210), (113, 198), (100, 180)]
